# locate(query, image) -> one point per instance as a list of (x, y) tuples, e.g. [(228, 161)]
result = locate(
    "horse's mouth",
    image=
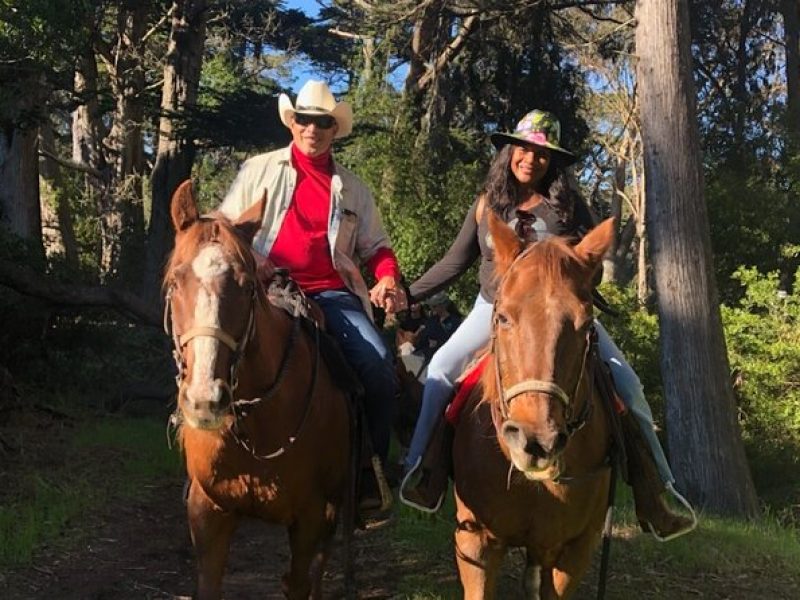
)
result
[(206, 422), (539, 470)]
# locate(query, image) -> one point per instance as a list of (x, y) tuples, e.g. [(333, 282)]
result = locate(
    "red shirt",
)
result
[(302, 243)]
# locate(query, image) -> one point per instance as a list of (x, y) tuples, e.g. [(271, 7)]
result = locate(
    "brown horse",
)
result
[(265, 431), (530, 457)]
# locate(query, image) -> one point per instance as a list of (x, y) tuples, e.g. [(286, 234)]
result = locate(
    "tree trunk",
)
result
[(611, 259), (122, 211), (791, 33), (58, 232), (642, 283), (706, 449), (175, 150), (88, 131), (19, 162)]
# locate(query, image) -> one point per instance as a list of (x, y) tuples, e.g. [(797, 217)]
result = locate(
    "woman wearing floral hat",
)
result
[(528, 187)]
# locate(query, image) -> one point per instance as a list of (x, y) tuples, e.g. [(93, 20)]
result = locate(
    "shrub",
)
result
[(764, 351)]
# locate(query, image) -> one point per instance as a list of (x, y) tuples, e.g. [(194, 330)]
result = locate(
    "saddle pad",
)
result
[(465, 387)]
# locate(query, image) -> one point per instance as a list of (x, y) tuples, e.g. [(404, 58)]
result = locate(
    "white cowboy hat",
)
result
[(315, 98)]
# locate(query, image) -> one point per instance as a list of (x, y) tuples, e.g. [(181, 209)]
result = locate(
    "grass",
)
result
[(723, 558), (40, 514), (55, 490)]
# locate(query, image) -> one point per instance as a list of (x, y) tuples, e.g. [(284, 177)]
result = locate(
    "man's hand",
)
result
[(389, 295)]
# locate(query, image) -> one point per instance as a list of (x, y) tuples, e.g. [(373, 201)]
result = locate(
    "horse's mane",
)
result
[(214, 227), (553, 261)]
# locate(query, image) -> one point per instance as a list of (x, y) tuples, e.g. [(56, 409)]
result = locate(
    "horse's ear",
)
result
[(183, 207), (595, 244), (507, 244), (249, 222)]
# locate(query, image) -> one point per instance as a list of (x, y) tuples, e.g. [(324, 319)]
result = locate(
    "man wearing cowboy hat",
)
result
[(322, 224)]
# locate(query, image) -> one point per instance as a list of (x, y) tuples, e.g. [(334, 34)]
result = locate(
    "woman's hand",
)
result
[(389, 295)]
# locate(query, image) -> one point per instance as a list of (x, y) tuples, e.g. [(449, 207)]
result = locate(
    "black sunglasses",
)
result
[(321, 121)]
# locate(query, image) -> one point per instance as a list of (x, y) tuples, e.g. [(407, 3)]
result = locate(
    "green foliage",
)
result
[(422, 209), (754, 219), (764, 350)]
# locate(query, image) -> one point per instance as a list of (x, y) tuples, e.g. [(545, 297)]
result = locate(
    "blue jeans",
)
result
[(368, 355)]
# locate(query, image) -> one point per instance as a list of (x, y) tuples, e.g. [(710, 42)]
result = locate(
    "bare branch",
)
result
[(162, 21), (451, 51), (71, 164), (30, 283), (346, 34)]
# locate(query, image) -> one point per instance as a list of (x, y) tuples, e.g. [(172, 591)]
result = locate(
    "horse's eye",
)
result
[(502, 320)]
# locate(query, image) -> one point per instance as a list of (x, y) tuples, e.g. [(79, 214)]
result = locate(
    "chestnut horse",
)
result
[(265, 431), (530, 458)]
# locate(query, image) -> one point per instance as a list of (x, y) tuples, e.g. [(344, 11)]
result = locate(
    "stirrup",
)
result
[(677, 495), (409, 502)]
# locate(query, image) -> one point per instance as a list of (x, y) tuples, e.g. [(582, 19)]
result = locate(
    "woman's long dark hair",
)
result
[(502, 190)]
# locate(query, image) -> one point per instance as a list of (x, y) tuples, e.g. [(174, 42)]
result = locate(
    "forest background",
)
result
[(106, 106)]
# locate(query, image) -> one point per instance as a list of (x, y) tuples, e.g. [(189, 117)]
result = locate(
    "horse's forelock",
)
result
[(212, 228)]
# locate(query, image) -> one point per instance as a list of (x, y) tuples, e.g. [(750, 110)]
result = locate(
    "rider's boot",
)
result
[(648, 488), (425, 484)]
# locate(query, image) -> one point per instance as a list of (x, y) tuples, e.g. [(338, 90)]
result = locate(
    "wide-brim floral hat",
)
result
[(540, 128)]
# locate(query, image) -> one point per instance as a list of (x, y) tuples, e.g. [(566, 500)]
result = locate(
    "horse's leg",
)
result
[(323, 552), (532, 577), (478, 555), (573, 562), (211, 530), (306, 533)]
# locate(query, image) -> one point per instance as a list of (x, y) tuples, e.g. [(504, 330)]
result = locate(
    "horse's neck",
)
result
[(264, 354)]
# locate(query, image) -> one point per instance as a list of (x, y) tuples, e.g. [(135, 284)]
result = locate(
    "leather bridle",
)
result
[(237, 347), (501, 408)]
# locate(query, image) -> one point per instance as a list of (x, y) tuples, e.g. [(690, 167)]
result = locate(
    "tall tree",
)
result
[(176, 150), (791, 37), (19, 170), (704, 439)]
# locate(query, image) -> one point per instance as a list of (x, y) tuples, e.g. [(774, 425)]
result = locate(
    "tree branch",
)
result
[(28, 282), (450, 52), (71, 164)]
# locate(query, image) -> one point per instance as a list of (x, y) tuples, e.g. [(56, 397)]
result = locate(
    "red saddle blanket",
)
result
[(465, 387)]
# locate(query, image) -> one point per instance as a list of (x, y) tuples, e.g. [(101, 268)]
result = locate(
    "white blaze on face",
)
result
[(209, 265)]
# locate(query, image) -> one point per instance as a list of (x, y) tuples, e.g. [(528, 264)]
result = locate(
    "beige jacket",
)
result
[(355, 231)]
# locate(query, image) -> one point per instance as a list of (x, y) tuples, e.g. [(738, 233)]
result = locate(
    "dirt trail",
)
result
[(143, 551), (140, 549)]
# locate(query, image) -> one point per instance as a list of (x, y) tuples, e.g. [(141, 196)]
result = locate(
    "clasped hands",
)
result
[(389, 295)]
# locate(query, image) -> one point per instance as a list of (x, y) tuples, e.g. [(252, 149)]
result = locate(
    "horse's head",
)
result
[(540, 341), (211, 290)]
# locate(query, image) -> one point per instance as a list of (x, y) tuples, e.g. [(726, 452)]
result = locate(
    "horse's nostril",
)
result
[(536, 450), (561, 442)]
